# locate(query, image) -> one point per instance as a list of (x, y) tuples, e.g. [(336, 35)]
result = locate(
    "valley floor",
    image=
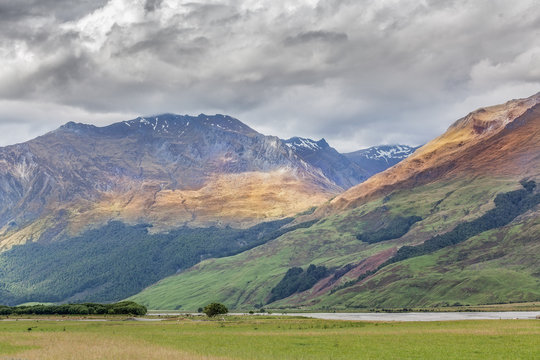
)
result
[(264, 337)]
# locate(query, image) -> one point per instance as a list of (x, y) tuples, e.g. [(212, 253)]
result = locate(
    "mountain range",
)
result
[(79, 198), (177, 211)]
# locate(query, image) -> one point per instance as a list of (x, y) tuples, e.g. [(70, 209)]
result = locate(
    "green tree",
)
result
[(297, 280), (215, 309)]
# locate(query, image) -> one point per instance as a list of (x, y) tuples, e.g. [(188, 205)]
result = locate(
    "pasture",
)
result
[(264, 337)]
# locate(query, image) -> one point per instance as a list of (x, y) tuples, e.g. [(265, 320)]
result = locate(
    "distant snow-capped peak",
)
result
[(385, 152)]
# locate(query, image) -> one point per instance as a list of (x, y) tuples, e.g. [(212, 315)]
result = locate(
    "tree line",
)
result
[(397, 227), (123, 307)]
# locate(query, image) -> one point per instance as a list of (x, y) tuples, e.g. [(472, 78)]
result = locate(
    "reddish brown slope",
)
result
[(499, 140)]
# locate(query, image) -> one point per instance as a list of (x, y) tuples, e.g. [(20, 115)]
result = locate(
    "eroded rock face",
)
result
[(335, 166)]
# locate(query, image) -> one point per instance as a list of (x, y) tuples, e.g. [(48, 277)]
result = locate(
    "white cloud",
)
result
[(355, 72), (525, 67), (93, 28)]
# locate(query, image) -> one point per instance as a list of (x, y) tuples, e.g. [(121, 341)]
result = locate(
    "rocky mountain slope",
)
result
[(167, 170), (334, 165), (454, 223)]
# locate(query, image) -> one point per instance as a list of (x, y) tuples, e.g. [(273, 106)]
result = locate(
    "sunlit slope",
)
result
[(99, 213), (501, 140)]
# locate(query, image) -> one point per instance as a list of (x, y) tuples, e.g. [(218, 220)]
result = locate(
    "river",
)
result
[(422, 316)]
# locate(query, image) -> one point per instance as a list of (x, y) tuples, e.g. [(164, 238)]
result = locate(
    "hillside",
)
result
[(98, 213), (499, 140), (452, 180)]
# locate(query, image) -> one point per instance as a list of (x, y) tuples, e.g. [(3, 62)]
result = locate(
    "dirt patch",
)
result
[(371, 263)]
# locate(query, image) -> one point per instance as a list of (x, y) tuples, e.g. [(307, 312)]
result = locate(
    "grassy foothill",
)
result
[(233, 337), (492, 267)]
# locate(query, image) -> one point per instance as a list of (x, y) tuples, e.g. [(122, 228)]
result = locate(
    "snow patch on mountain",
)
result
[(298, 143), (176, 124), (386, 152), (379, 158)]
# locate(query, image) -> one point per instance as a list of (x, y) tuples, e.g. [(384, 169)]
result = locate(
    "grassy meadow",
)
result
[(267, 338)]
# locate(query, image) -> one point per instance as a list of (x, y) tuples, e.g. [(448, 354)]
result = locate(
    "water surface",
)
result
[(423, 316)]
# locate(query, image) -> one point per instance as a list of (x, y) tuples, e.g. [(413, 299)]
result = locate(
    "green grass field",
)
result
[(268, 338)]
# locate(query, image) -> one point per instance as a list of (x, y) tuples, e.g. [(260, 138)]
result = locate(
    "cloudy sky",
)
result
[(358, 73)]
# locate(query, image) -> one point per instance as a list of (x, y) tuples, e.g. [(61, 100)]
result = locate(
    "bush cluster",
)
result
[(507, 207), (215, 309), (123, 307), (397, 227), (297, 280)]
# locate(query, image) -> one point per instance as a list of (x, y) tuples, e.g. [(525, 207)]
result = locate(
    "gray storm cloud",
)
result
[(358, 73)]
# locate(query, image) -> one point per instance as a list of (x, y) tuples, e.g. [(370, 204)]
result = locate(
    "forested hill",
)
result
[(117, 260)]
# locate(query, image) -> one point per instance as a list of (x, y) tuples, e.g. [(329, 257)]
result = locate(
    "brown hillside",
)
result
[(497, 140)]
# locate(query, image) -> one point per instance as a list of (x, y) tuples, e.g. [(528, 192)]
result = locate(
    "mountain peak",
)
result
[(74, 126), (378, 158), (384, 152), (300, 143)]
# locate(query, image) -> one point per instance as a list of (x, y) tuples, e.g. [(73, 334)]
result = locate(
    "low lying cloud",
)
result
[(358, 73)]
